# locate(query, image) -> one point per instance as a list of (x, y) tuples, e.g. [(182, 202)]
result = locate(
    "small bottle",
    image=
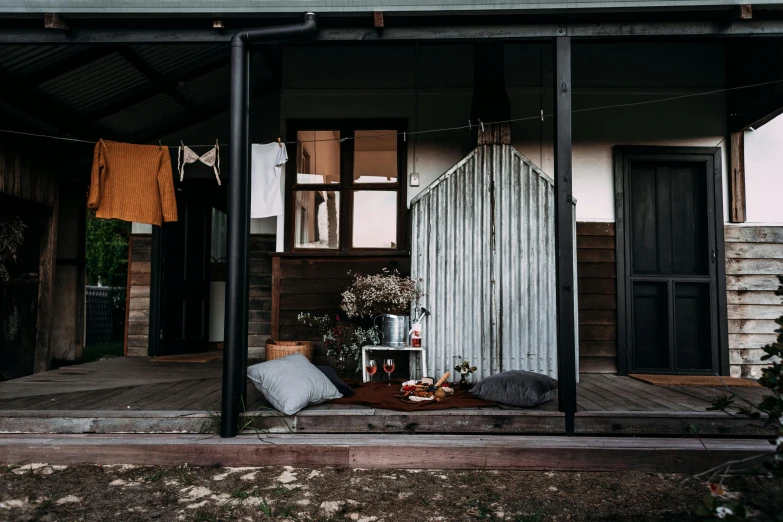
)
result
[(416, 335)]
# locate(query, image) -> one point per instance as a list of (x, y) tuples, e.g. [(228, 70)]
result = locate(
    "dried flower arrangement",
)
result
[(341, 339), (465, 368), (11, 238), (385, 293)]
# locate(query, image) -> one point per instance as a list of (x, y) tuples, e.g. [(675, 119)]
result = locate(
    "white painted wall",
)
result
[(764, 173), (432, 88)]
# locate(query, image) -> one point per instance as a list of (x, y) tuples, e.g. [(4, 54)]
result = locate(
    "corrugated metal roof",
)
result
[(169, 60), (29, 59), (216, 7), (158, 109), (127, 94), (85, 88)]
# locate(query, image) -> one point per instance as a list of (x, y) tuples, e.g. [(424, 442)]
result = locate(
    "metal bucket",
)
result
[(394, 329)]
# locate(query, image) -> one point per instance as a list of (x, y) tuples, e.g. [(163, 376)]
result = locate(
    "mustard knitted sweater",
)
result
[(132, 183)]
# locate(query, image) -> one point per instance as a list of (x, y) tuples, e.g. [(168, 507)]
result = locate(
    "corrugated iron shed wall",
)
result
[(483, 245)]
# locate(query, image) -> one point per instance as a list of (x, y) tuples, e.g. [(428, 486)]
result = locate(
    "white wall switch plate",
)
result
[(414, 180)]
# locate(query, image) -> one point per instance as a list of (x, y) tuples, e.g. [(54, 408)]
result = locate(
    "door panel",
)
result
[(650, 333), (186, 264), (692, 326), (670, 279)]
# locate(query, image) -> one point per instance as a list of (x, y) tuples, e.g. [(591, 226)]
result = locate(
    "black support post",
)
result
[(237, 247), (564, 234), (237, 244)]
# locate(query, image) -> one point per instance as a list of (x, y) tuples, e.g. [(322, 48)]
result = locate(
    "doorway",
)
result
[(670, 262), (182, 271)]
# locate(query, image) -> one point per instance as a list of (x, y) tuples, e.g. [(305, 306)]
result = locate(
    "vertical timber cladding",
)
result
[(138, 295), (595, 244), (259, 326), (483, 246), (754, 259)]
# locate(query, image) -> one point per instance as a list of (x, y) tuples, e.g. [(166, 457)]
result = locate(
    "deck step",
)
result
[(370, 421), (384, 451)]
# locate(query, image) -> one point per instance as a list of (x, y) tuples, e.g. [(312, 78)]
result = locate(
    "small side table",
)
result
[(412, 352)]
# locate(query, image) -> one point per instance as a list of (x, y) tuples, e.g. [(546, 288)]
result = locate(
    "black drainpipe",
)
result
[(238, 262)]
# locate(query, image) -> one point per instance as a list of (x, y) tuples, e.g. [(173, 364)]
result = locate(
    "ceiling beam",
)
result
[(145, 94), (157, 80), (630, 30), (14, 91)]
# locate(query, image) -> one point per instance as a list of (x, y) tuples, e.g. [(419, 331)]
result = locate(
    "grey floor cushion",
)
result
[(291, 383), (516, 388), (335, 379)]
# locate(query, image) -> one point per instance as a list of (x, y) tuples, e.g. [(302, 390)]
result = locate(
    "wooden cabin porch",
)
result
[(136, 395)]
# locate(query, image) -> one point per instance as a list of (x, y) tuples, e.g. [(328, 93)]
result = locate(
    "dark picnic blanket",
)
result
[(382, 396)]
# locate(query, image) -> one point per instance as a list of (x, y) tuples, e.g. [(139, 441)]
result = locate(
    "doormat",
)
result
[(190, 357), (694, 380)]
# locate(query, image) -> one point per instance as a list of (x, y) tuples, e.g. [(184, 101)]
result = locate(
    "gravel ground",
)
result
[(131, 493)]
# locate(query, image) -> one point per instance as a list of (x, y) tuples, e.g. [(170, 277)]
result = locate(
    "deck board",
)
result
[(141, 391)]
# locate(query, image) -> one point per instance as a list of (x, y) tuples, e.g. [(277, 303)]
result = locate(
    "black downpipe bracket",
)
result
[(238, 262)]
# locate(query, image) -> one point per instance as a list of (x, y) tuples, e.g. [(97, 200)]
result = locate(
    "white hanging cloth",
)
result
[(266, 166)]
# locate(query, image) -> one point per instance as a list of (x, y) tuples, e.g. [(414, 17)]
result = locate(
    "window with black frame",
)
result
[(345, 187)]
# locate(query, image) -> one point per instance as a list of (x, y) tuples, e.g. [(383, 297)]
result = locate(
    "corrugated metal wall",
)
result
[(483, 245)]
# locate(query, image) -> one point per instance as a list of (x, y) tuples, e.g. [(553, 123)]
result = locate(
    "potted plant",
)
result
[(11, 238), (387, 296), (342, 339)]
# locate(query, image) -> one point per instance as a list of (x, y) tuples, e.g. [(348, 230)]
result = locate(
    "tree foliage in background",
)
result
[(107, 263), (107, 251)]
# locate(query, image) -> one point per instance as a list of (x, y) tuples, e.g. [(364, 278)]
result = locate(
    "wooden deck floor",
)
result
[(179, 395)]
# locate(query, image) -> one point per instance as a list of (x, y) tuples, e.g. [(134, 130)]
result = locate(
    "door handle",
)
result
[(714, 256)]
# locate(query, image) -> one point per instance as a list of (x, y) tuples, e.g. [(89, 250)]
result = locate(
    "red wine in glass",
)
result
[(388, 367), (371, 368)]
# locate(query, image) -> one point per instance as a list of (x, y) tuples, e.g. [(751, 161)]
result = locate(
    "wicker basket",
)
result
[(278, 349)]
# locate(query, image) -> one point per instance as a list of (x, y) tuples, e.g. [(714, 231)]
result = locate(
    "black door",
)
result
[(186, 274), (669, 257)]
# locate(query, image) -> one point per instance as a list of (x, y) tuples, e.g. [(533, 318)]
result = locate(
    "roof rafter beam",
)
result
[(147, 93), (160, 83), (14, 91)]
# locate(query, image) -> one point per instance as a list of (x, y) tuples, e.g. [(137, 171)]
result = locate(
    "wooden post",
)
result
[(737, 179), (156, 292), (46, 266), (564, 234)]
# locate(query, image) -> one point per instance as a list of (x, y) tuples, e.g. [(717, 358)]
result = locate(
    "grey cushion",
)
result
[(335, 379), (516, 388), (291, 383)]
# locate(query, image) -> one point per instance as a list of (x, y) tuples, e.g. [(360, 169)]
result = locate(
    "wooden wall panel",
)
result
[(138, 296), (20, 176), (596, 258), (314, 284), (754, 259), (260, 311)]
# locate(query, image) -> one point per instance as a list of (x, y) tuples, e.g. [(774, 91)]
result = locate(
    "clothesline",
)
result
[(470, 124)]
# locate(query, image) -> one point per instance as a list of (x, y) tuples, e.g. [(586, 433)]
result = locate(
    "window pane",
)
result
[(318, 157), (375, 219), (317, 219), (375, 156)]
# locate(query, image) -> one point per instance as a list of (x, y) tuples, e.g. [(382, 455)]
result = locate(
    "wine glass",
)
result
[(388, 367), (371, 368)]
